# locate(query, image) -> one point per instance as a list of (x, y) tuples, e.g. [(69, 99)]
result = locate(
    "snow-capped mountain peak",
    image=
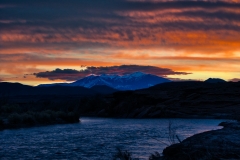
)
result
[(133, 81), (135, 74)]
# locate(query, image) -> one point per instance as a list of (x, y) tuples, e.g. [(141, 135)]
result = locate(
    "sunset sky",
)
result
[(49, 41)]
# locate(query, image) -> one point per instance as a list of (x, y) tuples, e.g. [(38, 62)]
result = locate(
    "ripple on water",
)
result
[(96, 138)]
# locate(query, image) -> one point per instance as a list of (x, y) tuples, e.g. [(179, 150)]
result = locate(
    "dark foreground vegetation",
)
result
[(14, 116), (167, 100)]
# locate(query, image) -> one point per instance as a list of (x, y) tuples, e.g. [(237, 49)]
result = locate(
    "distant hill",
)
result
[(6, 87), (214, 80), (193, 99), (103, 89), (20, 89), (134, 81)]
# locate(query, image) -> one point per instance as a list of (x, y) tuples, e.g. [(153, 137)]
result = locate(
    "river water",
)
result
[(97, 138)]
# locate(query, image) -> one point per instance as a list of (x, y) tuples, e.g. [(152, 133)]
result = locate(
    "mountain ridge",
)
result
[(134, 81), (13, 89)]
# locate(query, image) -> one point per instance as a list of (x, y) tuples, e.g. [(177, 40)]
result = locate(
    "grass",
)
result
[(122, 155), (172, 139)]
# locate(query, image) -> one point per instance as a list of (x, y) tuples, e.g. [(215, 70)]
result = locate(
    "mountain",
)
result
[(6, 87), (14, 89), (214, 80), (103, 89), (190, 99), (134, 81)]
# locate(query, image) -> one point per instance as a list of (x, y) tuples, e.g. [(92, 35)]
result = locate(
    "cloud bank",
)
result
[(71, 74), (203, 26), (184, 35)]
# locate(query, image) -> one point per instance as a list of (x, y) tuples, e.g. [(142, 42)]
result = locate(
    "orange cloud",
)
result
[(72, 74), (181, 35)]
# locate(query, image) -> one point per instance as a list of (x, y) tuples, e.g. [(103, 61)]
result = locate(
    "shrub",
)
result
[(28, 119), (72, 117), (122, 155), (14, 118), (60, 114), (155, 156), (10, 108), (1, 122), (43, 117)]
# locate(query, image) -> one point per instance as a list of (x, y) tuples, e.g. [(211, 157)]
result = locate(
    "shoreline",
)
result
[(26, 125), (37, 125), (216, 144)]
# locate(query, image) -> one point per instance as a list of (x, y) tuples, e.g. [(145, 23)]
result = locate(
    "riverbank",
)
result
[(167, 100), (217, 144), (12, 120)]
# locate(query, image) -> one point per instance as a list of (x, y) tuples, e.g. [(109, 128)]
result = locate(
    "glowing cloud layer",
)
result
[(71, 75), (186, 36)]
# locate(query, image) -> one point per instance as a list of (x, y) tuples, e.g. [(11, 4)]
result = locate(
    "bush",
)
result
[(60, 114), (44, 118), (1, 122), (10, 108), (71, 117), (155, 156), (14, 118), (122, 155), (28, 119)]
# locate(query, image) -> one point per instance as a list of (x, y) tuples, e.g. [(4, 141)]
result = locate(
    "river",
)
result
[(97, 138)]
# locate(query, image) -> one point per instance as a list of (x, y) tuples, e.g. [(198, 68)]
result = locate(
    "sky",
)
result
[(49, 41)]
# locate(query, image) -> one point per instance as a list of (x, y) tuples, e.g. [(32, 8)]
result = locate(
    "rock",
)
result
[(173, 150), (154, 114), (161, 106), (230, 124), (217, 144), (143, 113), (101, 113)]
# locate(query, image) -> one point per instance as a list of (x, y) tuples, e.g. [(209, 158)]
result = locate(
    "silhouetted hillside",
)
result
[(18, 89), (6, 87), (103, 89), (215, 80), (175, 99)]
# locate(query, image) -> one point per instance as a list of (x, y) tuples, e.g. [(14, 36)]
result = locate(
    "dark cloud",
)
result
[(118, 4), (19, 57), (92, 23), (182, 80), (100, 14), (43, 11), (71, 74)]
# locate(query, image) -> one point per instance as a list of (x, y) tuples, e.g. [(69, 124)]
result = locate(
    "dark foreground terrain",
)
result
[(13, 117), (221, 144), (175, 99), (23, 106), (166, 100), (26, 106), (218, 144)]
